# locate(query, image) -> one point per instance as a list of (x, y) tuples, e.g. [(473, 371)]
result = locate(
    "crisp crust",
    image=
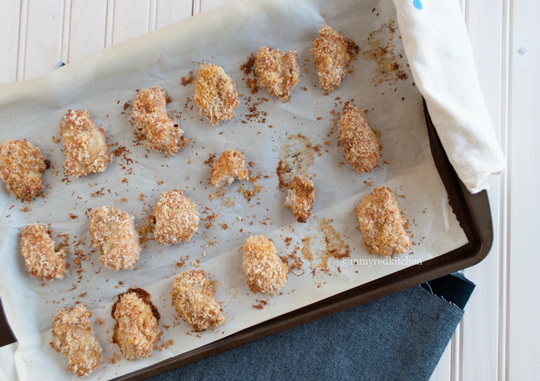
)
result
[(382, 223), (21, 167), (85, 145), (176, 218), (331, 57), (150, 116), (301, 198), (37, 248), (194, 301), (360, 143), (74, 339), (230, 166), (113, 233), (277, 71), (136, 330), (215, 93), (265, 270)]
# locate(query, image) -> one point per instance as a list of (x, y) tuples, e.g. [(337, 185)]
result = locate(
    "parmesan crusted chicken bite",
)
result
[(277, 71), (265, 270), (301, 198), (113, 233), (136, 330), (230, 166), (21, 167), (74, 339), (381, 222), (85, 145), (360, 144), (150, 115), (215, 94), (42, 260), (176, 218), (331, 57), (194, 301)]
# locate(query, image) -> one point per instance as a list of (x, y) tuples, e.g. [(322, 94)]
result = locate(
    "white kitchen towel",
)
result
[(437, 46)]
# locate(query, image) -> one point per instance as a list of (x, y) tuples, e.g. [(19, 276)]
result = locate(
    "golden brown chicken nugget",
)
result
[(194, 301), (382, 223), (230, 166), (265, 270), (42, 260), (277, 71), (176, 218), (301, 198)]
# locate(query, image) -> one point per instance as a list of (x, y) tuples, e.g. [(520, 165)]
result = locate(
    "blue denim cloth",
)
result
[(398, 337)]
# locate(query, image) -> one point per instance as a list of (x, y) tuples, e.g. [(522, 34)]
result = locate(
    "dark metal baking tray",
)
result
[(472, 212)]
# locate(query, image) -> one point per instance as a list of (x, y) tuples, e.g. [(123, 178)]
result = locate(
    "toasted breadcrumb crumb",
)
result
[(113, 233), (150, 116), (176, 218), (37, 248), (265, 270), (381, 223), (21, 167), (136, 330), (230, 166), (301, 198), (360, 144), (331, 57), (194, 301), (74, 338), (215, 94), (85, 145), (277, 71)]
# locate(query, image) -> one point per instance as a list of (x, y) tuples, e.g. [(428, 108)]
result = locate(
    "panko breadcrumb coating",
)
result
[(360, 143), (74, 339), (301, 198), (37, 248), (85, 145), (230, 166), (277, 71), (381, 222), (150, 115), (215, 93), (176, 218), (265, 270), (113, 233), (194, 301), (331, 58), (136, 330), (21, 167)]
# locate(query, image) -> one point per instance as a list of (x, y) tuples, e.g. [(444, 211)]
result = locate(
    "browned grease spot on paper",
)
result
[(324, 245), (295, 157), (382, 53)]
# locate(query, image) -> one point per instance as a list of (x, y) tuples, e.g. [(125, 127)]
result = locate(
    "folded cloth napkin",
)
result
[(398, 337), (439, 53)]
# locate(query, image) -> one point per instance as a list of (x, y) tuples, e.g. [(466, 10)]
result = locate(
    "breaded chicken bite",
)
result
[(277, 71), (301, 198), (265, 270), (136, 330), (42, 260), (85, 145), (215, 94), (74, 338), (230, 166), (176, 218), (360, 144), (331, 57), (150, 116), (194, 301), (381, 222), (113, 234), (21, 167)]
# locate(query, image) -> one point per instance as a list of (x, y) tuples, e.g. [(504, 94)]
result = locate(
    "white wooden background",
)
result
[(499, 337)]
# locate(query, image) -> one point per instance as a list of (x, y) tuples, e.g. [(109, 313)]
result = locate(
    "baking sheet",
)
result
[(105, 83)]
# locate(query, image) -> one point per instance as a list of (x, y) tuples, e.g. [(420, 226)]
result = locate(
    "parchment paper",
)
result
[(104, 82)]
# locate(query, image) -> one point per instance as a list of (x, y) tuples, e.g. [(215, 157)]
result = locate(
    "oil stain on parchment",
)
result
[(326, 243), (388, 68), (295, 157)]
